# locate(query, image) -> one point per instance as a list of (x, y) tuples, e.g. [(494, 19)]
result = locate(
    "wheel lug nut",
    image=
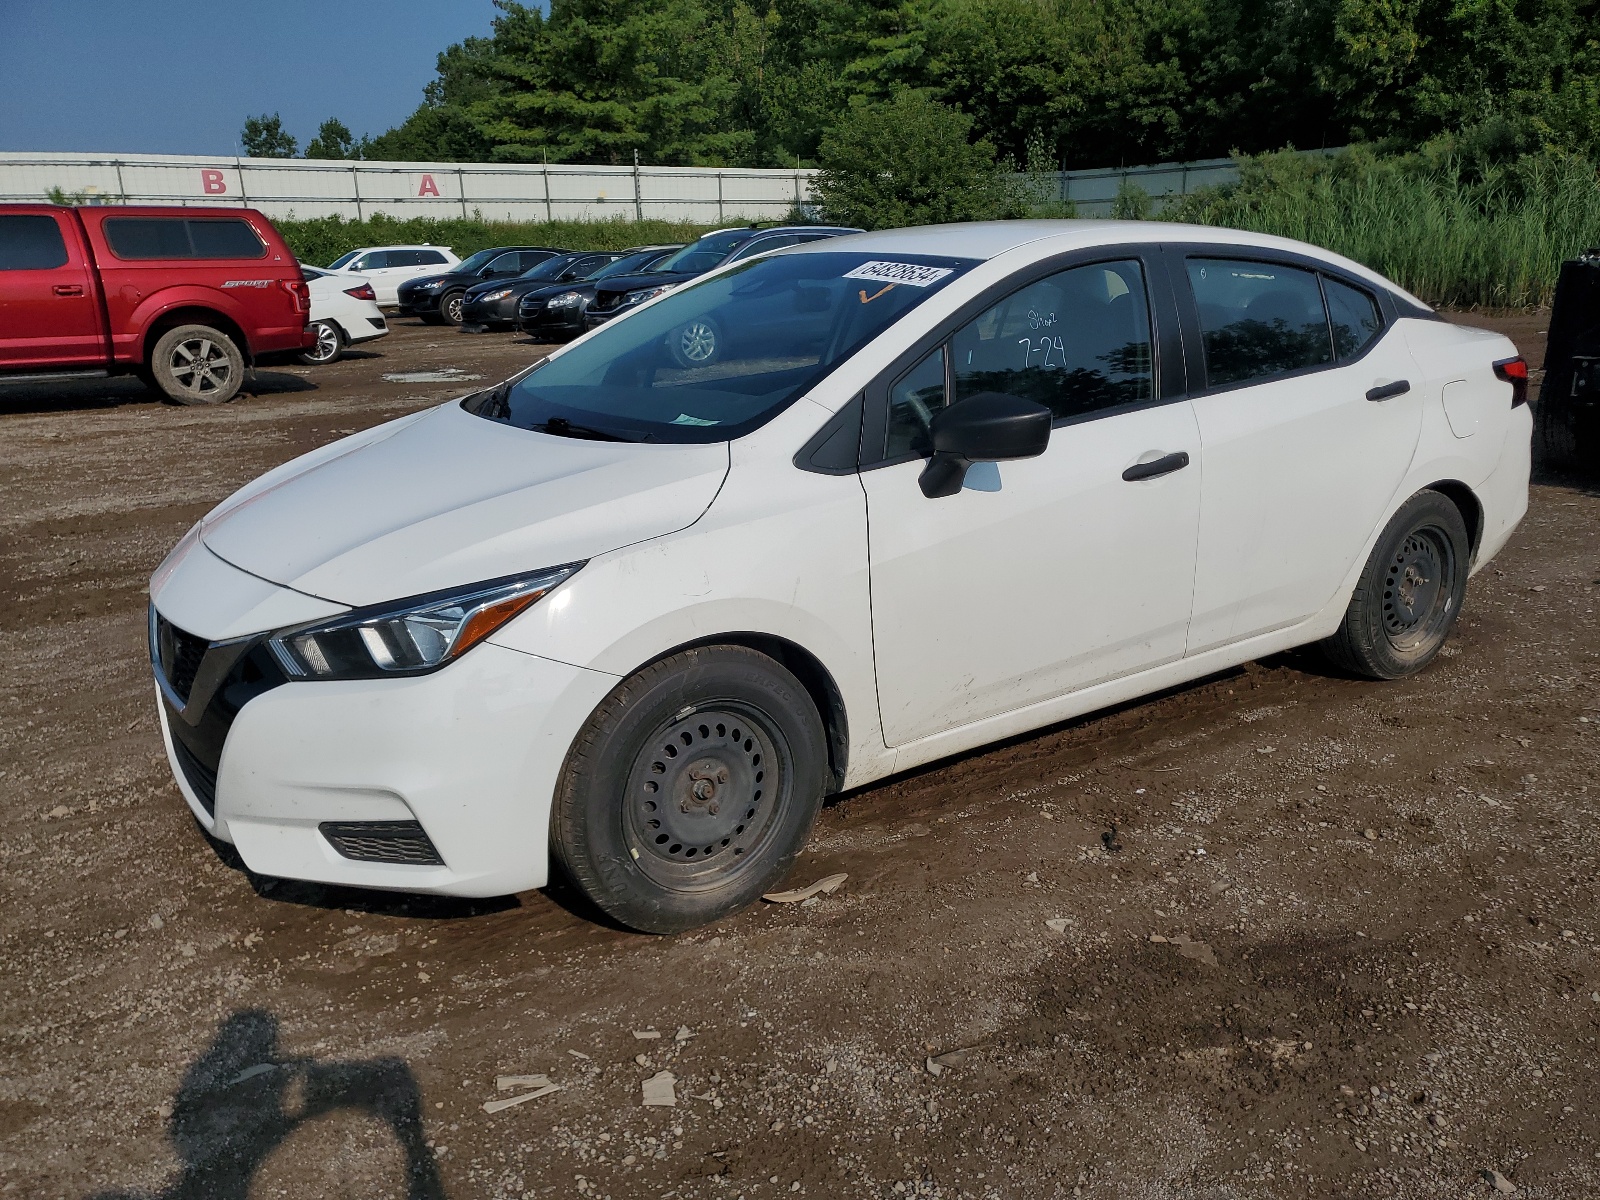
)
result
[(713, 809)]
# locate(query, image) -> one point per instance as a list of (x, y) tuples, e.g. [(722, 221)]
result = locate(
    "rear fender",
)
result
[(184, 305)]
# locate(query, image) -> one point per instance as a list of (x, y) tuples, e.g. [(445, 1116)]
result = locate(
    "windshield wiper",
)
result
[(561, 427)]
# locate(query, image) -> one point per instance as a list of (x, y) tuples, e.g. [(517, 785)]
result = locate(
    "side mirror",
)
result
[(988, 427)]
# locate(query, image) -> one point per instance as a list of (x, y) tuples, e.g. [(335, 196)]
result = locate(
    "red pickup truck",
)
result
[(184, 298)]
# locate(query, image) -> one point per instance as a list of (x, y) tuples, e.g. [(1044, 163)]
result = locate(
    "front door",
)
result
[(1300, 465), (49, 313), (1051, 574)]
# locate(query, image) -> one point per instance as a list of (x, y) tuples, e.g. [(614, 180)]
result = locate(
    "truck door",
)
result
[(49, 309)]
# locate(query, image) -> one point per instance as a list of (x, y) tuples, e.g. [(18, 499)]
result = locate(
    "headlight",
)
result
[(567, 300), (410, 637), (634, 298), (487, 297), (431, 284)]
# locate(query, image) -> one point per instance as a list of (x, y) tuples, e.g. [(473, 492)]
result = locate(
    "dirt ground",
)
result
[(1277, 934)]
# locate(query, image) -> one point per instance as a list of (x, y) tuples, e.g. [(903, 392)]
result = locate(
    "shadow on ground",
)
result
[(243, 1098)]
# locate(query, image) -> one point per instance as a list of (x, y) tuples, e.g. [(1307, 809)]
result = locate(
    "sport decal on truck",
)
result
[(259, 283), (912, 274)]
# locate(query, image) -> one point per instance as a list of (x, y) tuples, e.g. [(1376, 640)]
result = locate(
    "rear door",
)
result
[(49, 310), (1300, 464)]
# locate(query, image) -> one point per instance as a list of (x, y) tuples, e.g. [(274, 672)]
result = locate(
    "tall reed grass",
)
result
[(1496, 240)]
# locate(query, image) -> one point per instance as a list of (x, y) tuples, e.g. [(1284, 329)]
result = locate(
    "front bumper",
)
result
[(471, 753), (561, 322), (495, 312), (418, 304)]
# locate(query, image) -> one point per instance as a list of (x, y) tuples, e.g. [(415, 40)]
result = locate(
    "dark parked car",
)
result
[(725, 245), (1567, 419), (555, 312), (437, 298), (494, 305)]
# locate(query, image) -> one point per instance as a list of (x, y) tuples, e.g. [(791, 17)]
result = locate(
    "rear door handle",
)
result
[(68, 289), (1388, 391), (1165, 465)]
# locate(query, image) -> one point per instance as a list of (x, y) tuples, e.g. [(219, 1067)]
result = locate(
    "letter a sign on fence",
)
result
[(213, 183), (428, 188)]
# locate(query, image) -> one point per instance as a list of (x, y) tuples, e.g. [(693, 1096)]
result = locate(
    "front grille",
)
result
[(382, 841), (180, 654), (202, 779)]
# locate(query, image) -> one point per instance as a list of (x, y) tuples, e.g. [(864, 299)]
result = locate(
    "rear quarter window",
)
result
[(31, 243), (134, 238)]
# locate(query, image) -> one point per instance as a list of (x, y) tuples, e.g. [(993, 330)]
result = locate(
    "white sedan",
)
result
[(344, 312), (936, 487), (387, 267)]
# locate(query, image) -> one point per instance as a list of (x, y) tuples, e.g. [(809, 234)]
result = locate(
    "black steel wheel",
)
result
[(1409, 594), (691, 789)]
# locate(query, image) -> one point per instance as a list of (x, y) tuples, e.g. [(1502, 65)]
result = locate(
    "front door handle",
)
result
[(68, 289), (1388, 391), (1165, 465)]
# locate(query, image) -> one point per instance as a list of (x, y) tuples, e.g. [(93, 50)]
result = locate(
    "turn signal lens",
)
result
[(411, 637), (1515, 372)]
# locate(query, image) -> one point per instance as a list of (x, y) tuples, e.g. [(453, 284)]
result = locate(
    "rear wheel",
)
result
[(691, 789), (196, 364), (450, 305), (1409, 593), (697, 344), (328, 346)]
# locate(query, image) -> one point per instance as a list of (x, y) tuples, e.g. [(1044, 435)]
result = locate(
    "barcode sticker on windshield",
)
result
[(911, 274)]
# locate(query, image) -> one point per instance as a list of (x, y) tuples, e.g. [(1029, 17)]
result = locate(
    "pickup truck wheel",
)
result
[(196, 364), (328, 346), (690, 791)]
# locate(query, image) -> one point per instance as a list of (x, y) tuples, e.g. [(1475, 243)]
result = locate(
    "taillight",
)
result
[(1515, 372), (299, 291), (364, 292)]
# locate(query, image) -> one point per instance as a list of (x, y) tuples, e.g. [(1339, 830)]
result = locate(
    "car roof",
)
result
[(989, 239), (399, 246)]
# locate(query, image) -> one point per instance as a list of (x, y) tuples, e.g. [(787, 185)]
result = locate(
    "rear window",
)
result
[(183, 237), (31, 243)]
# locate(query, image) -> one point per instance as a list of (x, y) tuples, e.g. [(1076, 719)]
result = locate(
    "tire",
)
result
[(690, 790), (196, 364), (1409, 594), (450, 307), (696, 344), (328, 347)]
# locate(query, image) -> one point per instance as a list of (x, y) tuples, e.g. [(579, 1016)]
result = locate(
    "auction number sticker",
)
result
[(911, 274)]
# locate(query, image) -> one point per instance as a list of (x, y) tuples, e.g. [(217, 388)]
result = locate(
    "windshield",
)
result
[(630, 265), (717, 358), (473, 262), (709, 251), (342, 260), (551, 268)]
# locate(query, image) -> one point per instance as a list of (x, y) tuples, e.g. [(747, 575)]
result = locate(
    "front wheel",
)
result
[(1409, 593), (195, 364), (450, 306), (328, 346), (691, 789)]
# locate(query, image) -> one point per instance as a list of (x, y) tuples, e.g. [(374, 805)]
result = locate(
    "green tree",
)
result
[(265, 137), (442, 129), (333, 140), (909, 161)]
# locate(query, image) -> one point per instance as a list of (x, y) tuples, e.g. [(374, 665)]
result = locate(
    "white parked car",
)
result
[(936, 487), (344, 312), (390, 266)]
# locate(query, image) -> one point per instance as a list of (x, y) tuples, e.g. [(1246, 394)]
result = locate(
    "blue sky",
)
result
[(180, 76)]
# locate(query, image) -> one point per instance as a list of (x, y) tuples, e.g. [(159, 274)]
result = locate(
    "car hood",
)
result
[(632, 283), (448, 498), (422, 281), (581, 286), (517, 286)]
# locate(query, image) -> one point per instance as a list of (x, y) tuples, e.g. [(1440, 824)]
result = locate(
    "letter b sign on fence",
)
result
[(213, 183)]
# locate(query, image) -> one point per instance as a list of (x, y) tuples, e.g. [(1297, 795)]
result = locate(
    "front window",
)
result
[(343, 261), (551, 268), (717, 358)]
